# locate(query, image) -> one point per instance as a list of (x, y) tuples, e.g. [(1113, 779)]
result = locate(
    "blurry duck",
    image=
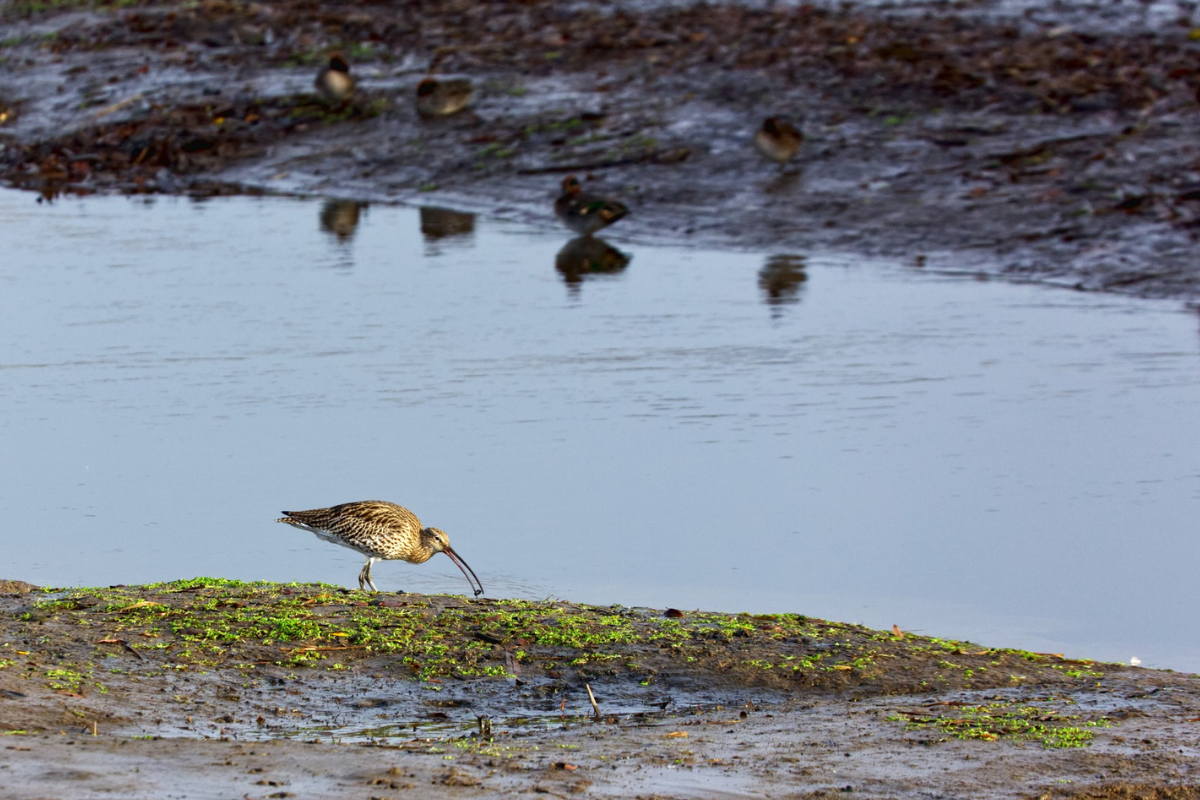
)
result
[(334, 82), (778, 140), (588, 255), (442, 223), (585, 213), (441, 97), (782, 278), (340, 217)]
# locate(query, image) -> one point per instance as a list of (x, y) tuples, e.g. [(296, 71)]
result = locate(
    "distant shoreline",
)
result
[(1051, 146)]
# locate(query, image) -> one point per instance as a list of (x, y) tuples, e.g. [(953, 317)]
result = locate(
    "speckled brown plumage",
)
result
[(381, 531)]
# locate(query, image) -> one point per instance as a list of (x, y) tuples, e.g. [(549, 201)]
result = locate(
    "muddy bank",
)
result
[(204, 688), (1056, 145)]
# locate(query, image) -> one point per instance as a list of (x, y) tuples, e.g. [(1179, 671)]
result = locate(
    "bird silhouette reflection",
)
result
[(781, 281), (785, 182), (340, 218), (586, 256), (442, 223)]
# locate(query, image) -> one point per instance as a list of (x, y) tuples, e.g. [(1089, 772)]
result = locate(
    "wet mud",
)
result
[(1049, 144), (1056, 146), (210, 688)]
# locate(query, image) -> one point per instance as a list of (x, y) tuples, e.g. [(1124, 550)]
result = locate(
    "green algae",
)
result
[(201, 623), (1008, 719)]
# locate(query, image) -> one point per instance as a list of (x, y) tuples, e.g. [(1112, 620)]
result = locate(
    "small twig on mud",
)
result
[(1040, 147), (592, 697), (95, 732), (320, 649), (657, 157), (1129, 281), (124, 644), (104, 112)]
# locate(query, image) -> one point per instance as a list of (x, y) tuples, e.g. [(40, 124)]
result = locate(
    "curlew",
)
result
[(584, 213), (382, 532)]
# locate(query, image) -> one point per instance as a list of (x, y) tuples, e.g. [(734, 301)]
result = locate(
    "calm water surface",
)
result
[(1011, 464)]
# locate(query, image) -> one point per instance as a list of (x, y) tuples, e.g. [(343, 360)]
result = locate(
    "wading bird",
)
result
[(382, 532)]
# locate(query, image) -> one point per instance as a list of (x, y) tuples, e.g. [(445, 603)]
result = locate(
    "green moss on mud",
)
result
[(1008, 719), (210, 622)]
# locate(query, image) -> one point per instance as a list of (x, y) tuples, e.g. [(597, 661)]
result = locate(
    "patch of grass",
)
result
[(1078, 672), (31, 38), (1014, 719), (495, 150), (359, 52), (202, 582), (64, 680), (27, 8)]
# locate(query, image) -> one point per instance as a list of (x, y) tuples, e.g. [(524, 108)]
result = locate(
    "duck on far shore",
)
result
[(778, 139), (441, 97), (584, 213), (334, 82)]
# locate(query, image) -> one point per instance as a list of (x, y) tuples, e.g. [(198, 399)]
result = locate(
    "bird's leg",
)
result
[(365, 575)]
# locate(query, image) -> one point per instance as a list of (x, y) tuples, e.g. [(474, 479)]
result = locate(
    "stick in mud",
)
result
[(592, 697)]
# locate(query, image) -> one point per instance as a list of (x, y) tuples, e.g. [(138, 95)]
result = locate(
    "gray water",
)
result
[(1012, 464)]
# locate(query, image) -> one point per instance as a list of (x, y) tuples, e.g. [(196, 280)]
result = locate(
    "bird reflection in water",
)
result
[(442, 223), (340, 218), (784, 182), (781, 280), (586, 256)]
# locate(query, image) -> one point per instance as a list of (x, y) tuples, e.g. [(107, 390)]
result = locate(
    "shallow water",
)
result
[(1016, 465)]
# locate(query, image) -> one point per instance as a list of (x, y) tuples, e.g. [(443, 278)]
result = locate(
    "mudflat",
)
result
[(212, 688), (1055, 145)]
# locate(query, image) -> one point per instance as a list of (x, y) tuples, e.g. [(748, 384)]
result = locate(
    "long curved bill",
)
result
[(471, 578)]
